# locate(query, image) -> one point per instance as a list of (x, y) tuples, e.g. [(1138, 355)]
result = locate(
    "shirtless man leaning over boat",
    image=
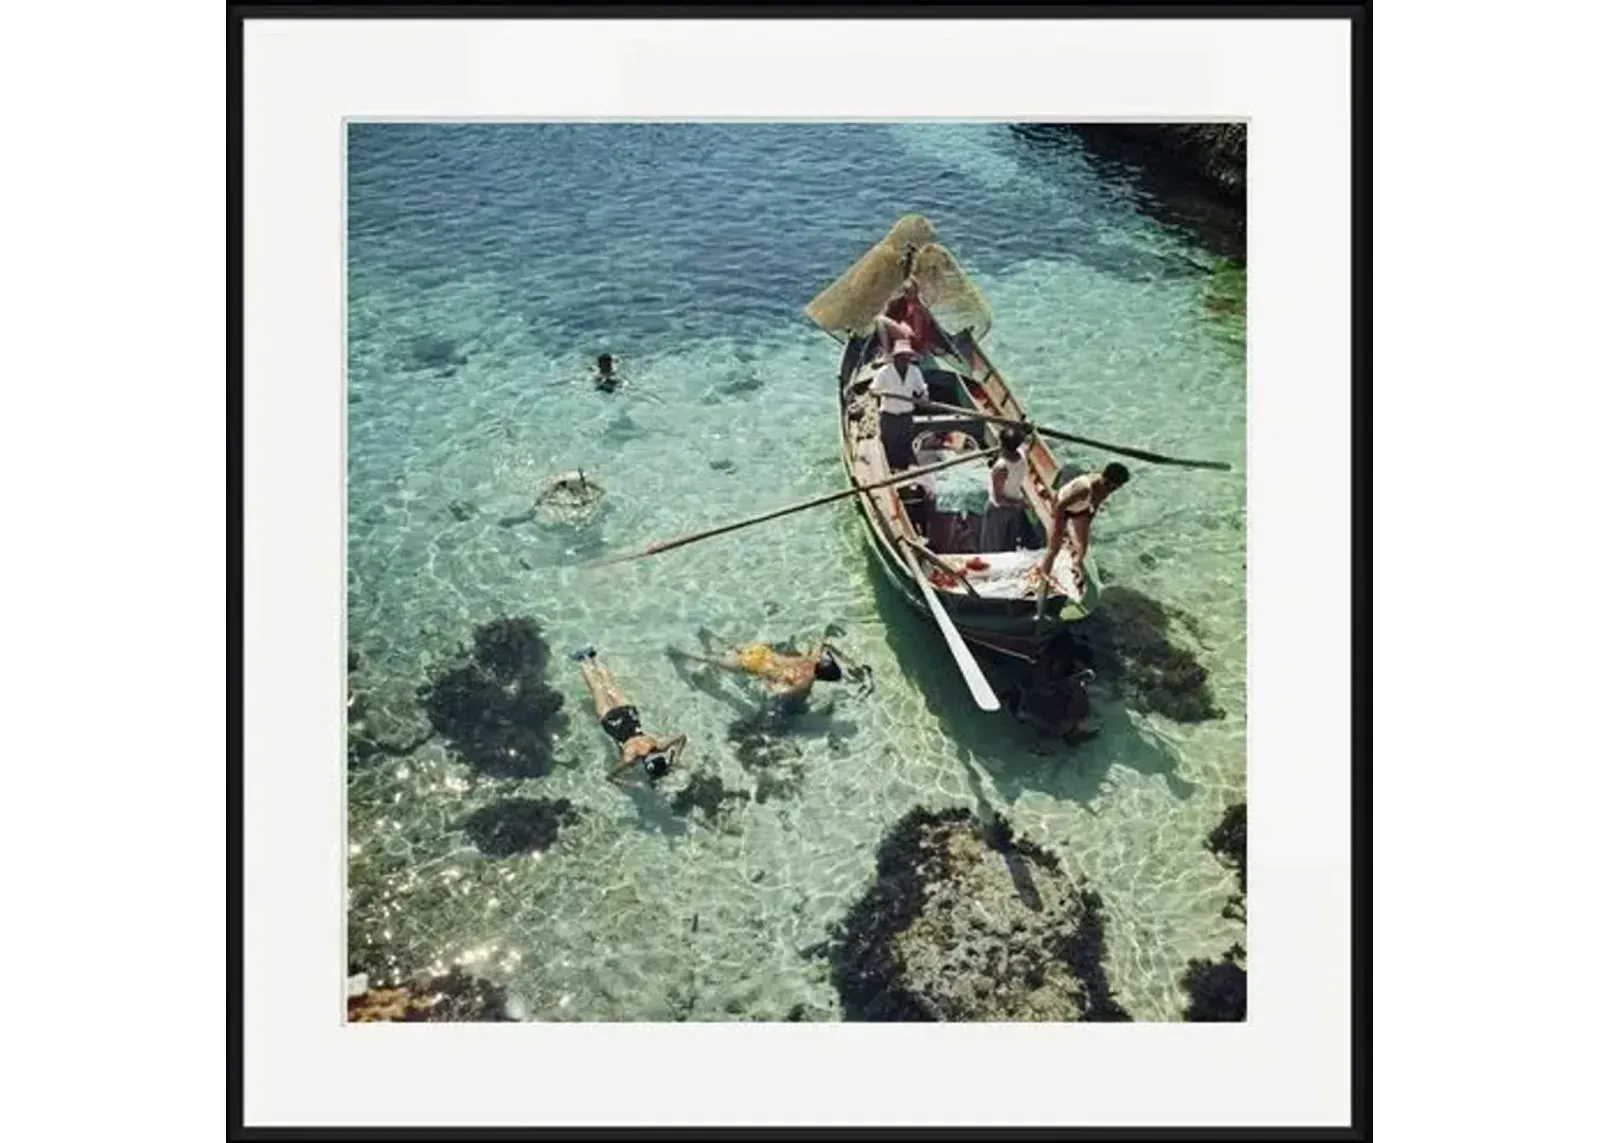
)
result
[(1076, 504), (787, 678), (619, 718)]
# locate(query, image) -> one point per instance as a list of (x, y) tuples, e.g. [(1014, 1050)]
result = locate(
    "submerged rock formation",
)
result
[(1217, 989), (496, 710), (1126, 641), (967, 922), (519, 825), (1227, 841), (454, 997), (1212, 152)]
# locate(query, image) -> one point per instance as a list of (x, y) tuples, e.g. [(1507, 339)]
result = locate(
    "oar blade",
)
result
[(982, 693)]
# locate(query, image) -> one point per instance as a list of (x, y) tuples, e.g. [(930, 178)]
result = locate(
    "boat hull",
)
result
[(1013, 627)]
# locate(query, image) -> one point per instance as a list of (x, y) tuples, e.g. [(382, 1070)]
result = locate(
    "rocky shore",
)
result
[(1212, 152)]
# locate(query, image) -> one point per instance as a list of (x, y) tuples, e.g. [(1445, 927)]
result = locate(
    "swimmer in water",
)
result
[(787, 678), (605, 378), (574, 494), (619, 718)]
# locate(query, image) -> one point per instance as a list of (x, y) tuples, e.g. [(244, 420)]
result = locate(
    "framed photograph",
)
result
[(783, 554)]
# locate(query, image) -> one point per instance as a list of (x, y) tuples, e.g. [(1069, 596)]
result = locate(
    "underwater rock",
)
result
[(518, 825), (709, 794), (463, 510), (454, 997), (496, 710), (970, 922), (1217, 989), (1227, 841), (722, 466), (1125, 641), (432, 351)]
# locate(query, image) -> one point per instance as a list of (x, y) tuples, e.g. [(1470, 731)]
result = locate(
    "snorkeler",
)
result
[(788, 678), (619, 718), (574, 492), (605, 378), (575, 485)]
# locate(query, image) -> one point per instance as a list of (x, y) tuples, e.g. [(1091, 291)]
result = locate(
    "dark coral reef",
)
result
[(1216, 988), (1227, 842), (1127, 643), (497, 710), (519, 825), (966, 921)]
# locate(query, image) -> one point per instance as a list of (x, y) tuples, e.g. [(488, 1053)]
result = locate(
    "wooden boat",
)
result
[(924, 541)]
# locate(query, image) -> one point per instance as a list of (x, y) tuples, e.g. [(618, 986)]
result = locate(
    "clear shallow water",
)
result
[(488, 265)]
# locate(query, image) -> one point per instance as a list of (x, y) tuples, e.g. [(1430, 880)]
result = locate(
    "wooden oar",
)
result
[(982, 693), (910, 474), (1136, 453)]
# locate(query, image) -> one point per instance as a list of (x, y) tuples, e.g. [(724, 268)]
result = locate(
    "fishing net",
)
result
[(859, 295)]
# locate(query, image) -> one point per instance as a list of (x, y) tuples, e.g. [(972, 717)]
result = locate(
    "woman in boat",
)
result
[(619, 718), (1076, 504), (787, 678), (1002, 518), (906, 318)]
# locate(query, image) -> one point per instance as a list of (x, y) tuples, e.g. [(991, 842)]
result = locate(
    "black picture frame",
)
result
[(1359, 19)]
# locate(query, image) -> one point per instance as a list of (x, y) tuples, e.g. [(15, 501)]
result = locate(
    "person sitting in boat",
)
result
[(787, 678), (605, 378), (1002, 518), (898, 384), (619, 718), (906, 318), (1075, 505)]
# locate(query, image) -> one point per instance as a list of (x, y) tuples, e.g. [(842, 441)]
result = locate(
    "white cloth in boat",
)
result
[(1004, 578), (897, 391)]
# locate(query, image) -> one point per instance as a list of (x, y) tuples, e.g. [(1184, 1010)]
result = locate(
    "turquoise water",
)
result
[(488, 266)]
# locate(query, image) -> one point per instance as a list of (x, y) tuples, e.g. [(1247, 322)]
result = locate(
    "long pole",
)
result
[(657, 546), (1057, 434)]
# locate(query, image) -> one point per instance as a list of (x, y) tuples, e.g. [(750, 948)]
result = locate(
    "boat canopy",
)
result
[(911, 247)]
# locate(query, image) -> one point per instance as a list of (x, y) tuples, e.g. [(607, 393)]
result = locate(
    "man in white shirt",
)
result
[(898, 384)]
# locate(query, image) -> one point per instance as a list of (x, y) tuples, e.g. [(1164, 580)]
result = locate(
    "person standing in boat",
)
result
[(898, 384), (1002, 519), (906, 318), (1076, 504), (619, 718)]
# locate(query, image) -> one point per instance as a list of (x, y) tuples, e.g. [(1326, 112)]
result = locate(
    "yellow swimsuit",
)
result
[(757, 658)]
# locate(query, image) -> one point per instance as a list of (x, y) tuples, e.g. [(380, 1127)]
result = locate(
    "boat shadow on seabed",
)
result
[(1015, 754)]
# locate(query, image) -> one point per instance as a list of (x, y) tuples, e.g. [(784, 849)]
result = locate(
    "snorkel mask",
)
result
[(657, 764)]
